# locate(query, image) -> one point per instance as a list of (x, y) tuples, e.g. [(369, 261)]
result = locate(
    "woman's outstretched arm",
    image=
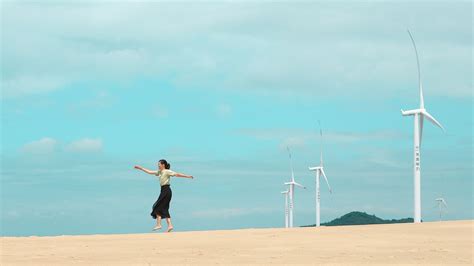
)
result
[(146, 170), (183, 175)]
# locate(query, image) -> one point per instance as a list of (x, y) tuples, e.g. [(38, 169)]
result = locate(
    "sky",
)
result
[(220, 89)]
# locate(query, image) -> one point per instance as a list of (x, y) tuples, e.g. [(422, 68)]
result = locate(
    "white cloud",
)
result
[(351, 49), (29, 85), (298, 137), (50, 146), (85, 145), (43, 146), (100, 101)]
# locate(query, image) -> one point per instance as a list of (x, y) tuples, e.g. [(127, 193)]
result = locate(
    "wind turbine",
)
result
[(319, 172), (291, 190), (441, 204), (420, 114), (286, 206)]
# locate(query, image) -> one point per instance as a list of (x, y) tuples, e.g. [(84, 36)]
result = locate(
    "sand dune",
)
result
[(427, 243)]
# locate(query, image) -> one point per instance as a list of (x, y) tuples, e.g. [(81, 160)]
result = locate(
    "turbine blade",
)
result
[(291, 164), (422, 102), (433, 120), (321, 136), (325, 178), (299, 185), (445, 204)]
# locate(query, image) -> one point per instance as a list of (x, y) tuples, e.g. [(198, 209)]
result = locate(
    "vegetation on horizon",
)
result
[(360, 218)]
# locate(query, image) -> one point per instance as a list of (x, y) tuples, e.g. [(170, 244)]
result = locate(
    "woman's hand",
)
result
[(138, 167)]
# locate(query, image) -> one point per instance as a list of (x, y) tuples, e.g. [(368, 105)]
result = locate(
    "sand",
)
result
[(430, 243)]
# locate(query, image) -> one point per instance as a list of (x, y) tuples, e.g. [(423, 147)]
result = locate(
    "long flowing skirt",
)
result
[(162, 204)]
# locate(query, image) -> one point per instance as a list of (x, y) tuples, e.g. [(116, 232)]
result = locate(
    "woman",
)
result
[(161, 207)]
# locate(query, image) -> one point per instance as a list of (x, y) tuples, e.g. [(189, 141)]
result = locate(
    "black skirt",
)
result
[(162, 204)]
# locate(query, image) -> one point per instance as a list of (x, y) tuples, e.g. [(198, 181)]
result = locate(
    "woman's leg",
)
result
[(166, 207), (158, 220), (158, 223), (170, 225), (157, 210)]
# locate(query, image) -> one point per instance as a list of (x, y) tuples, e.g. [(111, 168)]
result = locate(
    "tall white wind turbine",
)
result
[(441, 204), (286, 206), (319, 170), (291, 190), (419, 115)]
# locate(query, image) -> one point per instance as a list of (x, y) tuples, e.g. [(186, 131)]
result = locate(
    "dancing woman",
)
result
[(161, 207)]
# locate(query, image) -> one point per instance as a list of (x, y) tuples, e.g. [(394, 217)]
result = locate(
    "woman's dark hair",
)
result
[(165, 163)]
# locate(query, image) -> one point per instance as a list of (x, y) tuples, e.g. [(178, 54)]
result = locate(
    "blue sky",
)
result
[(220, 89)]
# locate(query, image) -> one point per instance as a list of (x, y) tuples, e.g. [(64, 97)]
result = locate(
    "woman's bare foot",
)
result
[(157, 227), (170, 229)]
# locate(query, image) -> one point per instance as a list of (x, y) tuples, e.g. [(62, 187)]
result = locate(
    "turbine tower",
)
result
[(319, 170), (286, 206), (441, 204), (291, 190), (419, 115)]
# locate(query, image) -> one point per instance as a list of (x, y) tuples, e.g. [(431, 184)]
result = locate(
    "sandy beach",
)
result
[(428, 243)]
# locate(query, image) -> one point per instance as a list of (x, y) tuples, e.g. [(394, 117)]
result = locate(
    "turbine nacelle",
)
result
[(321, 171), (412, 112), (441, 201), (315, 168), (425, 114), (294, 183)]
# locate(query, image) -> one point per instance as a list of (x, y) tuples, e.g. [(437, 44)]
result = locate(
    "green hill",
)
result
[(358, 218)]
